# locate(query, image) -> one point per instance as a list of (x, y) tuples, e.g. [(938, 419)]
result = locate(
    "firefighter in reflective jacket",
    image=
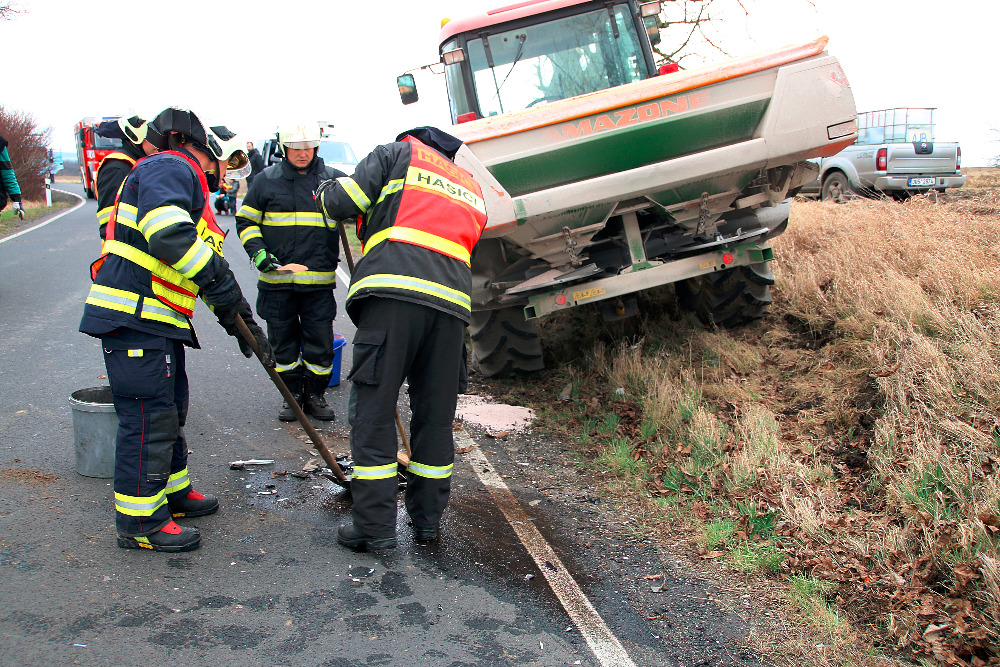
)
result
[(163, 249), (279, 226), (419, 218), (132, 131)]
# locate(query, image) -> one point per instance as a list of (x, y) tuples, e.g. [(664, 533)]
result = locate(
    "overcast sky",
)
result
[(253, 64)]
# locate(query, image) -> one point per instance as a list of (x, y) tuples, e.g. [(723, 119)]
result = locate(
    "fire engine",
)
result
[(91, 148)]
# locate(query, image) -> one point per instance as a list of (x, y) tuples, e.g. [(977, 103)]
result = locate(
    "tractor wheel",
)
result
[(504, 343), (729, 298)]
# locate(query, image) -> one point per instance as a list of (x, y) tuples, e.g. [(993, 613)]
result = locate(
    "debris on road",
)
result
[(241, 465)]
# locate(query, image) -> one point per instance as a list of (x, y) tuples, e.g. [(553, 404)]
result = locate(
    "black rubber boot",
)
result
[(292, 380), (349, 536), (192, 504), (314, 402), (170, 538), (425, 533)]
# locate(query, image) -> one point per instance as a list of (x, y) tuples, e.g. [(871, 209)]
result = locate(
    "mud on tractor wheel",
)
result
[(504, 343), (729, 298)]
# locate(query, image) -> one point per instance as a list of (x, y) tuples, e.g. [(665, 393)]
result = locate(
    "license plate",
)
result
[(922, 181)]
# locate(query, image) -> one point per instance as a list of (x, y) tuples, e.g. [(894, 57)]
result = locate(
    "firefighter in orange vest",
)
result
[(419, 218), (132, 131), (163, 249)]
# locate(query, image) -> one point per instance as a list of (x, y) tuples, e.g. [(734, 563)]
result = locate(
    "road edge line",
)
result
[(603, 643), (52, 219)]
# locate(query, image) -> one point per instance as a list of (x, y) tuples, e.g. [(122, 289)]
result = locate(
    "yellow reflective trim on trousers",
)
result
[(390, 187), (284, 368), (355, 193), (195, 259), (318, 370), (162, 217), (113, 299), (375, 472), (177, 481), (293, 219), (418, 285), (139, 505), (251, 232), (430, 472), (300, 278), (250, 213), (153, 309), (157, 268), (420, 237)]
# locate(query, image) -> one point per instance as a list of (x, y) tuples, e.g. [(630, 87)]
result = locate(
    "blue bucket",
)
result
[(338, 345)]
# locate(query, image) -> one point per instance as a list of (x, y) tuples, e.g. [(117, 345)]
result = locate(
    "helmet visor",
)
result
[(302, 144), (238, 165)]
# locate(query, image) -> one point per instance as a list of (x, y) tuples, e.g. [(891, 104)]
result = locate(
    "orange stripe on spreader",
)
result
[(614, 98)]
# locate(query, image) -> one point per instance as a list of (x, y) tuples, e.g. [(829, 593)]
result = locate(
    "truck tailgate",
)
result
[(904, 159)]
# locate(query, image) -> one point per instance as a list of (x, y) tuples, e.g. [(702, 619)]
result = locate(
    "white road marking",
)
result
[(605, 645), (344, 278), (52, 219)]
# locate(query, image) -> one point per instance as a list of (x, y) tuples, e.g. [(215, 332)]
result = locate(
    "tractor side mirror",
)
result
[(407, 88)]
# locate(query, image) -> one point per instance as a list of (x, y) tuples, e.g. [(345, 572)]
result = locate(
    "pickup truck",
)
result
[(895, 155)]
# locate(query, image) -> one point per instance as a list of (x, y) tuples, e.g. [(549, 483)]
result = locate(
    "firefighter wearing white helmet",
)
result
[(163, 250), (132, 130), (280, 227)]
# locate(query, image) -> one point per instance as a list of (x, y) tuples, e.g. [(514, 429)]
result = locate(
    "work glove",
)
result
[(19, 209), (227, 318), (265, 261)]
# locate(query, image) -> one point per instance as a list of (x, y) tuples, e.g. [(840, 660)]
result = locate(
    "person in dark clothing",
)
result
[(232, 188), (9, 188), (288, 241), (256, 163), (132, 130), (162, 250), (419, 218)]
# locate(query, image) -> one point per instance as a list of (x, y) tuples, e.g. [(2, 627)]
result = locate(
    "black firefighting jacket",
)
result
[(279, 216), (110, 175), (419, 218)]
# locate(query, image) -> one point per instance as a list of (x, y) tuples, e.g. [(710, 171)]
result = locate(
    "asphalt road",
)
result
[(269, 585)]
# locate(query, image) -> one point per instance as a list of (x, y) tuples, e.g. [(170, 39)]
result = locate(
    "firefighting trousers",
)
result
[(300, 331), (399, 340), (149, 387)]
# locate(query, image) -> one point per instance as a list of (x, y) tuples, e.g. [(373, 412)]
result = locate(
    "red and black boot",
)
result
[(171, 538), (192, 504)]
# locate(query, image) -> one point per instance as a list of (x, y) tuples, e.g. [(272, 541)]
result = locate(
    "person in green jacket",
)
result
[(9, 189)]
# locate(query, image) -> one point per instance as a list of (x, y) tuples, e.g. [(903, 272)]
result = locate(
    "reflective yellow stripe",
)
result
[(355, 193), (177, 481), (113, 299), (252, 232), (293, 219), (438, 290), (375, 472), (390, 187), (431, 472), (250, 213), (157, 311), (195, 259), (318, 370), (162, 217), (300, 278), (104, 215), (139, 505), (284, 368), (126, 216), (135, 353), (419, 237), (158, 269)]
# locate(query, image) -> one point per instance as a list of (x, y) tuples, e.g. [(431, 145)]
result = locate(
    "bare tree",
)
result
[(27, 146), (7, 13)]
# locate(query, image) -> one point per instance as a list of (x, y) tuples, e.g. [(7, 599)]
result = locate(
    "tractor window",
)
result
[(555, 60)]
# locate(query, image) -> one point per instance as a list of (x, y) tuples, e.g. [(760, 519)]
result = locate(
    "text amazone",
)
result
[(634, 115)]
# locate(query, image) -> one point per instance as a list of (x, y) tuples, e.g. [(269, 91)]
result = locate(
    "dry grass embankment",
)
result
[(847, 445)]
